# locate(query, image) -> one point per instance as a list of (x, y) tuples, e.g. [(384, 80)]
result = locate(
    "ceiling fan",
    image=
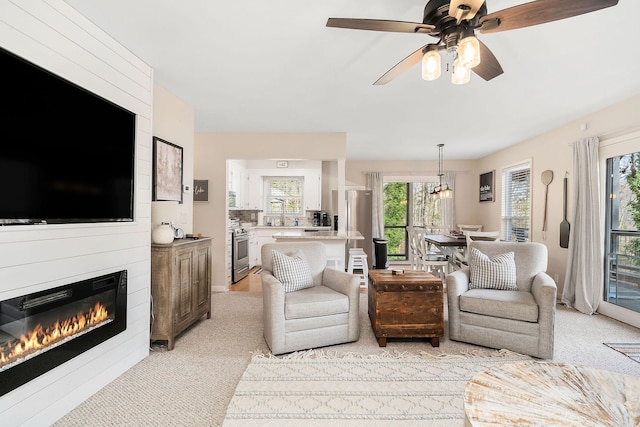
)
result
[(454, 24)]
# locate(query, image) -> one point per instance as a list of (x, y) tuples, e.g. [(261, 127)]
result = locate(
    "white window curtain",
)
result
[(584, 276), (376, 185), (448, 206)]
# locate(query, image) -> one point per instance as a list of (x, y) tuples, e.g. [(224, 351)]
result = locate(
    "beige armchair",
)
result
[(324, 314), (520, 320)]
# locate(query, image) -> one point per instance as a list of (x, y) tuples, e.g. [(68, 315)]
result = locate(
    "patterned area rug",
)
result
[(631, 350), (317, 389)]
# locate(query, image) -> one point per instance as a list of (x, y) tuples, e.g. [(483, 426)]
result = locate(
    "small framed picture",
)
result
[(487, 187), (200, 190), (282, 164)]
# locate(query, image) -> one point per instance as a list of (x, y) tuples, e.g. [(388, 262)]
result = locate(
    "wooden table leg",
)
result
[(435, 342), (382, 341)]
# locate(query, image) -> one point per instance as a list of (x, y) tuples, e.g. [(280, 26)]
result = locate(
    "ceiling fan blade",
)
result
[(379, 25), (489, 67), (467, 9), (539, 12), (401, 67)]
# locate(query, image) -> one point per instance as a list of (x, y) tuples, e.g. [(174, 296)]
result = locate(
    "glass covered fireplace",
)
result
[(42, 330)]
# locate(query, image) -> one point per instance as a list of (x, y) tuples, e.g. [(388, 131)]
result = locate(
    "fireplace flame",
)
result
[(41, 337)]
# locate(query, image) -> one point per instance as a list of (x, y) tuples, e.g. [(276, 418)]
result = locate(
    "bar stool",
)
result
[(358, 261)]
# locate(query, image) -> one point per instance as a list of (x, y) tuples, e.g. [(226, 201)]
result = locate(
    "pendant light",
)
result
[(461, 74), (441, 192), (469, 50), (431, 63)]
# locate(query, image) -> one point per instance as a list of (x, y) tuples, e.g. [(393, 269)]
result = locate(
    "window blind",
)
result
[(289, 189), (516, 203)]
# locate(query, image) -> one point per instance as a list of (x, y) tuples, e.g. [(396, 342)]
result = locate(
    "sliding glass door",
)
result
[(407, 204), (396, 204), (622, 240)]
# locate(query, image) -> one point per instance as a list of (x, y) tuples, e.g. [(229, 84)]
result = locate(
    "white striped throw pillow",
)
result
[(292, 271), (496, 272)]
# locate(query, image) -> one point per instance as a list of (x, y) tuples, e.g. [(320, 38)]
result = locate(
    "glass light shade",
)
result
[(447, 193), (461, 74), (469, 51), (431, 65)]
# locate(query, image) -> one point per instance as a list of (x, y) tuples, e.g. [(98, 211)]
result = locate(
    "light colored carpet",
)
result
[(355, 390), (192, 385), (629, 349)]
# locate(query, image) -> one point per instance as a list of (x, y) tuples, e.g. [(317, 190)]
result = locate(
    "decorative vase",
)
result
[(162, 234)]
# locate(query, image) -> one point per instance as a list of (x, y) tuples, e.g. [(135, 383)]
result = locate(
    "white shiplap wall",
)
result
[(53, 35)]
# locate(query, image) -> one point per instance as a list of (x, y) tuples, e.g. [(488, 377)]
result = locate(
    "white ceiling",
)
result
[(273, 66)]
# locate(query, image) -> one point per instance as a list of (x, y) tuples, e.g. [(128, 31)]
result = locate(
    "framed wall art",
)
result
[(200, 190), (167, 171), (487, 187)]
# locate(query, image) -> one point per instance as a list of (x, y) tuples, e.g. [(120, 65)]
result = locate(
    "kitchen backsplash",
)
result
[(253, 217)]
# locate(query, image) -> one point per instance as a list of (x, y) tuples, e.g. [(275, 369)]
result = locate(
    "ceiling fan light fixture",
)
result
[(461, 74), (469, 50), (431, 64)]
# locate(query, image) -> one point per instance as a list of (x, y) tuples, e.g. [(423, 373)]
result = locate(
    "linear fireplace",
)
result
[(42, 330)]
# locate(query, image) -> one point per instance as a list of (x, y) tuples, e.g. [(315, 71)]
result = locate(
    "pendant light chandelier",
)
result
[(441, 192)]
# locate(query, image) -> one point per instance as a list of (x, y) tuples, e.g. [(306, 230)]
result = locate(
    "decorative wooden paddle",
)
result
[(547, 177), (564, 225)]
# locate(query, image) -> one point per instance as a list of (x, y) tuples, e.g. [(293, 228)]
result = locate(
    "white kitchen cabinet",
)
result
[(261, 241), (255, 190), (312, 191), (237, 178), (233, 173), (263, 235), (227, 272), (253, 249)]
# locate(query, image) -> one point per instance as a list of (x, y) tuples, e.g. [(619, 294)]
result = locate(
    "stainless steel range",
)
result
[(239, 254)]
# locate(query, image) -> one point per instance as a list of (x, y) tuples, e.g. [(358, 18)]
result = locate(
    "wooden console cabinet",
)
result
[(406, 306), (180, 287)]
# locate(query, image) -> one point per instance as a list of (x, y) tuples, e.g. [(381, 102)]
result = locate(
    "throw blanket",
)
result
[(318, 389)]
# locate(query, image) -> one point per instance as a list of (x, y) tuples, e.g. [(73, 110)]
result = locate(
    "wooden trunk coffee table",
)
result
[(410, 305)]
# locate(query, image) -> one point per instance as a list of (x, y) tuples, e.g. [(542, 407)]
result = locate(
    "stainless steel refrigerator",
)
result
[(359, 211)]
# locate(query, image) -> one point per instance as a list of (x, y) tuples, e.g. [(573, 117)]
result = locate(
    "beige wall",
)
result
[(174, 121), (211, 153)]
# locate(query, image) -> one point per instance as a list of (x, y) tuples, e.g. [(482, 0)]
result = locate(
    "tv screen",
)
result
[(66, 154)]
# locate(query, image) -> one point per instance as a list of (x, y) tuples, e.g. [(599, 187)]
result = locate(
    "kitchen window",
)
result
[(516, 203), (284, 194)]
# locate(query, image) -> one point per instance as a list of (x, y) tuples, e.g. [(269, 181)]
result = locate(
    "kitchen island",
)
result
[(335, 242)]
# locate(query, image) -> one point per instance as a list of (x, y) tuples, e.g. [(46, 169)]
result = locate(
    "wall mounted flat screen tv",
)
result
[(66, 154)]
